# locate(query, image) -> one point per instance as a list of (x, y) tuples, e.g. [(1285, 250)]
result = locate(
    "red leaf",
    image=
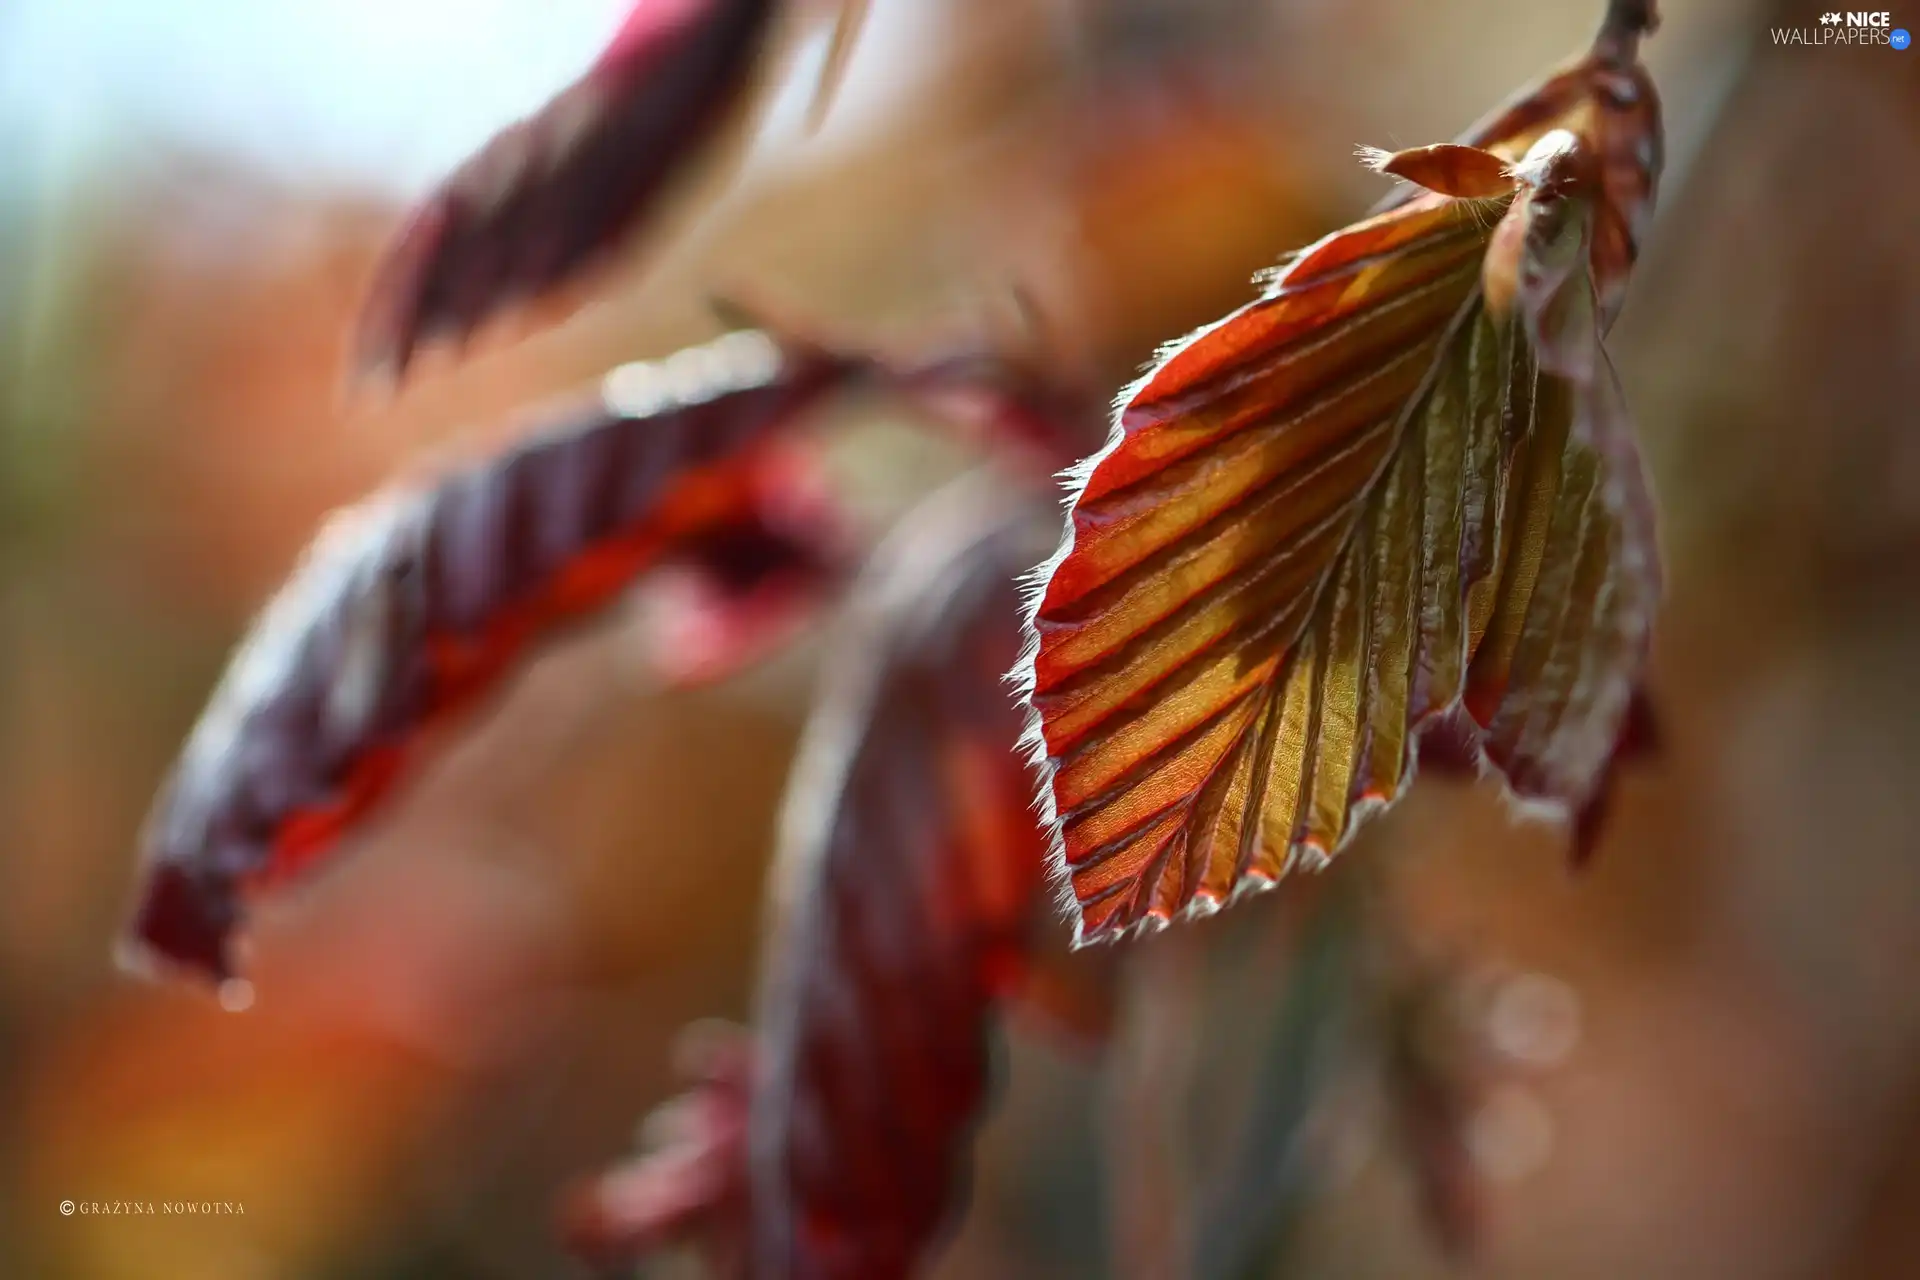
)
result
[(421, 600), (1395, 501), (552, 195), (909, 868), (1449, 168), (692, 1187), (739, 591)]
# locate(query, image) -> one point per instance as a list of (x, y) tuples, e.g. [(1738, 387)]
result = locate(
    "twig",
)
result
[(1627, 20)]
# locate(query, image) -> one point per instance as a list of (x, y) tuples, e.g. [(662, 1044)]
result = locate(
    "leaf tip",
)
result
[(1374, 158), (1445, 168), (184, 920)]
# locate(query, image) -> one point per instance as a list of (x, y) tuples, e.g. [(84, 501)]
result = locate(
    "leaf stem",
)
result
[(1627, 20)]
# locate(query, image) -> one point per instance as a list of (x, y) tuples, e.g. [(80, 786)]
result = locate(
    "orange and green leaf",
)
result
[(1397, 496)]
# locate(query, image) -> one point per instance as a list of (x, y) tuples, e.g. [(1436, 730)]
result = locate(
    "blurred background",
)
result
[(1699, 1059)]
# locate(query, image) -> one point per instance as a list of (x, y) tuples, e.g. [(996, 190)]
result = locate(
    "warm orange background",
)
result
[(476, 1005)]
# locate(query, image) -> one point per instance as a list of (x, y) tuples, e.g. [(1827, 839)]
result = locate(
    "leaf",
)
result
[(1394, 498), (739, 591), (690, 1187), (416, 603), (907, 878), (1464, 172), (554, 194)]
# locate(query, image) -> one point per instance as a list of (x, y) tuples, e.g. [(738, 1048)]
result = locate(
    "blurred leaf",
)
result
[(909, 871), (691, 1187), (908, 876), (416, 603), (737, 592), (554, 194), (1394, 500)]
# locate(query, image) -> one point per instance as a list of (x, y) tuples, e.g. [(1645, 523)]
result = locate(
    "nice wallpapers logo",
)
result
[(1856, 29)]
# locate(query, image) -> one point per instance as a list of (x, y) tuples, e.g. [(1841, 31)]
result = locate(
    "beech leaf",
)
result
[(739, 591), (415, 603), (690, 1186), (554, 194), (906, 883), (1395, 499)]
